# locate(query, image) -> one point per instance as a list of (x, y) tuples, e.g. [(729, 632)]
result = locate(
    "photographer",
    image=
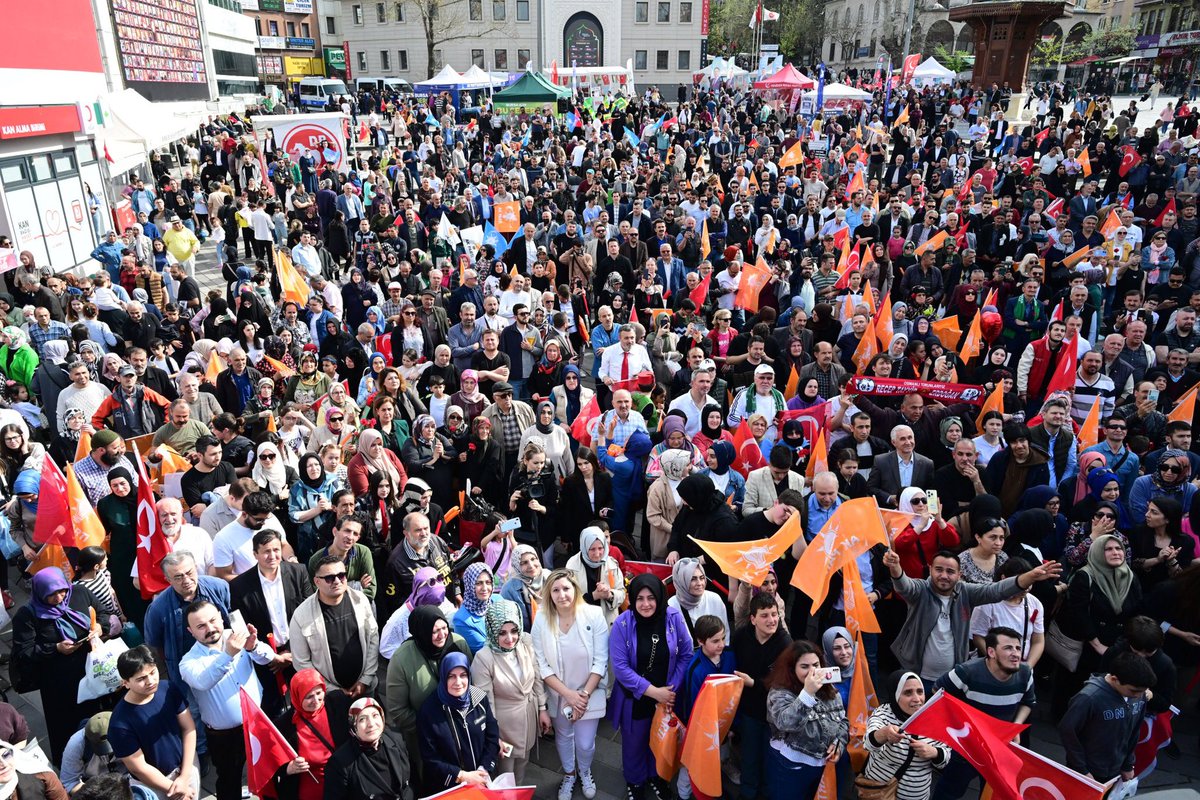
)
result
[(533, 492)]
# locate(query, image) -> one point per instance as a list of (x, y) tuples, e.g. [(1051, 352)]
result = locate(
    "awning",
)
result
[(1085, 60), (133, 126), (1126, 59)]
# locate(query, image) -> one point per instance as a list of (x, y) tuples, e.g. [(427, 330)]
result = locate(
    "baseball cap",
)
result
[(96, 733), (126, 370), (764, 369)]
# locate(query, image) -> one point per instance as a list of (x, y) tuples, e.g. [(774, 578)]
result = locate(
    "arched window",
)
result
[(877, 4), (583, 40), (862, 13)]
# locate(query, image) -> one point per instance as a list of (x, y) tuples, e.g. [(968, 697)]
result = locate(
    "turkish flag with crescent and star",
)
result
[(152, 544), (266, 749), (1129, 159)]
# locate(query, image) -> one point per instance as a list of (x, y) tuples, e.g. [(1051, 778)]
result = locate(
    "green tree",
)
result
[(450, 20), (798, 31), (1111, 43), (954, 60)]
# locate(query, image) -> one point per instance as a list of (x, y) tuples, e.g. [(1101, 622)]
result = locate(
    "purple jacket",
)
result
[(622, 643)]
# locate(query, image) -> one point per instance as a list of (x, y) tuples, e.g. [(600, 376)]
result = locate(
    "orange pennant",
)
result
[(272, 427), (283, 369), (995, 402), (818, 459), (294, 286), (712, 716), (903, 118), (705, 246), (214, 367), (947, 331), (868, 295), (1089, 432), (1085, 163), (84, 448), (793, 384), (1185, 407), (172, 461), (867, 349), (1111, 223), (1076, 257), (855, 184), (973, 344), (827, 789), (750, 561), (855, 527), (884, 330), (51, 555), (89, 530), (754, 278), (934, 242)]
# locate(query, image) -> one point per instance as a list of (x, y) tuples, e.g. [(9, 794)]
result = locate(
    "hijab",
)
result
[(71, 624), (906, 506), (55, 351), (29, 481), (544, 428), (1113, 582), (312, 730), (534, 584), (944, 430), (451, 662), (893, 688), (574, 405), (681, 578), (675, 424), (17, 338), (587, 537), (724, 453), (470, 575), (1086, 460), (712, 433), (1181, 477), (827, 641), (475, 396), (428, 589), (316, 484), (382, 464), (123, 472), (419, 427), (272, 478), (420, 625), (652, 582), (500, 613)]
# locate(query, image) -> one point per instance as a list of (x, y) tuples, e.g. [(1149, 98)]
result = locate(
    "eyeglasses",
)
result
[(1104, 515), (267, 457), (333, 579), (920, 501), (1170, 468)]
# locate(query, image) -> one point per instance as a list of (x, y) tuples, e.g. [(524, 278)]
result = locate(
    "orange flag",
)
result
[(793, 156), (947, 331), (827, 789), (903, 118), (1185, 407), (884, 329), (856, 150), (1089, 432), (818, 459), (290, 281), (271, 426), (855, 527), (754, 278), (508, 217), (862, 702), (793, 384), (84, 448), (1111, 223), (750, 561), (89, 530), (868, 295), (283, 369), (867, 348), (973, 344), (990, 300), (51, 555), (855, 184), (705, 246), (769, 245), (172, 461), (712, 716), (934, 242), (1085, 163), (214, 367), (860, 617), (995, 402), (1076, 257)]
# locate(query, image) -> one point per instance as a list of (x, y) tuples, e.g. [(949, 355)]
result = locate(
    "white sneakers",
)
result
[(587, 783), (567, 787)]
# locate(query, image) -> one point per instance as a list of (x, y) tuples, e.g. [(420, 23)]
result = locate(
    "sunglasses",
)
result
[(920, 501), (1103, 515), (266, 457), (333, 579), (1170, 468)]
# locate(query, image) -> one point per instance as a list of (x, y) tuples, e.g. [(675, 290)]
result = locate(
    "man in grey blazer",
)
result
[(895, 472)]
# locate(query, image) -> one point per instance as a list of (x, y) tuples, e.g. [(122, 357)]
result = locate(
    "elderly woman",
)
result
[(469, 398), (674, 438), (507, 672), (373, 457), (459, 736), (430, 456), (555, 442), (333, 429), (469, 620), (18, 361), (315, 726), (693, 597), (525, 582), (375, 764), (310, 504), (893, 755), (663, 500), (118, 512), (597, 573), (428, 590)]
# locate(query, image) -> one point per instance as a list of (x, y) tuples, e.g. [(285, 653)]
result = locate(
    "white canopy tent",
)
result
[(475, 78), (840, 91), (134, 126), (930, 72), (446, 77)]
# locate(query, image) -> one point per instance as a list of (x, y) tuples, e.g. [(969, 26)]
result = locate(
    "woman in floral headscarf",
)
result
[(674, 437), (507, 670), (17, 359), (525, 581), (478, 588)]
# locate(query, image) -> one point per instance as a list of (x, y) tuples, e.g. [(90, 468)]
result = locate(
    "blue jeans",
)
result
[(755, 739), (518, 385), (787, 780)]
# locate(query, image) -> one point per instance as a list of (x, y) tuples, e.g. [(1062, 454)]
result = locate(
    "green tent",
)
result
[(531, 89)]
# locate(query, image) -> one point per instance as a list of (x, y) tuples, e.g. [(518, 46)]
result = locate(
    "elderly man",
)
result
[(83, 394), (761, 398), (181, 536), (420, 548), (180, 431), (203, 405), (510, 419), (236, 385), (895, 472), (958, 482), (334, 632)]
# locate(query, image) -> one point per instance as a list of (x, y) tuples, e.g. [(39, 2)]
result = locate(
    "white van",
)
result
[(397, 85), (315, 93)]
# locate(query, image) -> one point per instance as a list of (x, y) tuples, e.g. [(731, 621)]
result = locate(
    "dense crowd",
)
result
[(445, 500)]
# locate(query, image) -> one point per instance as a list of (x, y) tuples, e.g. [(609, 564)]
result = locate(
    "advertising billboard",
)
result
[(159, 46)]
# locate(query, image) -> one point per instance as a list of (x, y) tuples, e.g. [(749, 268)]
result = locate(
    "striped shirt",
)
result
[(1086, 394), (974, 683)]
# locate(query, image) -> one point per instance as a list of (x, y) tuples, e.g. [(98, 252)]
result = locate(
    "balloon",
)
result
[(990, 325)]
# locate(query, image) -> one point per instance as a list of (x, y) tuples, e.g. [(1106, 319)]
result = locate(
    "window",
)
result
[(477, 58), (385, 61), (305, 31), (662, 59), (501, 60), (358, 14), (362, 61), (685, 12), (639, 59), (331, 26), (291, 29), (664, 12), (522, 10), (380, 12), (498, 10), (399, 12), (257, 26), (641, 12), (685, 59), (476, 10), (402, 60), (437, 59), (522, 59), (273, 27), (832, 50)]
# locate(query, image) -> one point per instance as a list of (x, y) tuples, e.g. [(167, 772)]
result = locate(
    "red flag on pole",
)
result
[(580, 431), (1063, 379), (700, 293), (152, 545), (266, 749), (53, 523), (1129, 160)]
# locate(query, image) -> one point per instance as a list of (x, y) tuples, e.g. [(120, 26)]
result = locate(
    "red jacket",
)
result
[(916, 550), (1043, 360)]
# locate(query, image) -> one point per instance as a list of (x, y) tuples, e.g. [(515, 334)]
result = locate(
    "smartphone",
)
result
[(934, 504), (1153, 396), (510, 525), (831, 674), (237, 623)]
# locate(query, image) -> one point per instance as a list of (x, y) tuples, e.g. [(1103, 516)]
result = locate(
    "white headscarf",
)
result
[(274, 477), (906, 506)]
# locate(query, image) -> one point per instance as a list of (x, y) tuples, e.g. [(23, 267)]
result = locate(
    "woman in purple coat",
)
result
[(650, 648)]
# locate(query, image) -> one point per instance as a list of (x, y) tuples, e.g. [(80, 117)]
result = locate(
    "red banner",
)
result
[(931, 390), (704, 15)]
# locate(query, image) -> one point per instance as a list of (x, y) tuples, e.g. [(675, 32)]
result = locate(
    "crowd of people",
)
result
[(422, 514)]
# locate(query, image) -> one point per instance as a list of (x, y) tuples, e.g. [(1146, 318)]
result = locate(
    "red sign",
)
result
[(704, 18), (346, 58), (933, 390), (19, 122), (123, 214), (308, 139)]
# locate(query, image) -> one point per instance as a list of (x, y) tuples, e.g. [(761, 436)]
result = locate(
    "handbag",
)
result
[(882, 790), (100, 671), (1062, 648)]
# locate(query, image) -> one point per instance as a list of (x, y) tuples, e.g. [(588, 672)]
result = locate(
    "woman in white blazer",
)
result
[(570, 639)]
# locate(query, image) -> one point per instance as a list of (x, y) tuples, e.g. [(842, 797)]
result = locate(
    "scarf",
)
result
[(894, 688), (1156, 253), (123, 472), (420, 625), (653, 654), (724, 453), (752, 400), (532, 585), (1086, 460), (574, 405), (428, 589), (470, 575), (313, 735), (681, 577), (713, 433), (473, 396), (587, 537), (383, 464), (451, 662), (71, 624), (548, 428), (274, 477), (827, 641), (1174, 486), (499, 614), (318, 483), (906, 506), (1113, 582)]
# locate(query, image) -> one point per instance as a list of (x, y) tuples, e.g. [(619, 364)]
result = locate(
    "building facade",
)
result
[(289, 40)]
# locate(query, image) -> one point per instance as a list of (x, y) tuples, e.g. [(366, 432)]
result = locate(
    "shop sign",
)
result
[(19, 122)]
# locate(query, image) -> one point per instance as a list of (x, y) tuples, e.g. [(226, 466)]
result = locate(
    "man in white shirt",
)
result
[(305, 256), (182, 537), (264, 231), (233, 552), (728, 281), (693, 402), (623, 363)]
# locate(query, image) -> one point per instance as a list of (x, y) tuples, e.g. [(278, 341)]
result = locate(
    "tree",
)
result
[(954, 60), (1111, 43), (1048, 52), (450, 20), (798, 31)]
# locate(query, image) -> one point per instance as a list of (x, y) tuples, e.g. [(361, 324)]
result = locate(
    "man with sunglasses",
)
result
[(334, 630), (1117, 456), (233, 549)]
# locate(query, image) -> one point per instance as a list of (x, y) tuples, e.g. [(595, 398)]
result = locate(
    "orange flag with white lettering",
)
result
[(1089, 432), (867, 349), (51, 555), (827, 789), (884, 330), (868, 295), (1111, 223), (1185, 407), (855, 527), (751, 561), (705, 245), (508, 217), (995, 402), (862, 702), (711, 718), (860, 617), (934, 242), (793, 156), (754, 278)]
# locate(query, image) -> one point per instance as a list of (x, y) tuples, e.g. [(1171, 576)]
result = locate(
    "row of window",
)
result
[(385, 61), (291, 28), (662, 59), (395, 13)]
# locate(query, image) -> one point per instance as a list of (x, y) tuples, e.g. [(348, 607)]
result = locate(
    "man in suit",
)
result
[(1082, 206), (523, 251), (765, 484), (894, 472), (267, 596)]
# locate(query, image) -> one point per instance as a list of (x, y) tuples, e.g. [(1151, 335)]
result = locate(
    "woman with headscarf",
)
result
[(272, 475), (650, 647), (1047, 499), (692, 596), (430, 456), (468, 397), (481, 463), (478, 587), (18, 360), (373, 457), (376, 763), (339, 398), (950, 430), (547, 372), (459, 736), (893, 755), (307, 386), (412, 674), (726, 480), (315, 726), (597, 573), (64, 443), (1172, 478), (1073, 490), (429, 589), (663, 501), (310, 504), (1101, 596), (118, 513), (1101, 484), (524, 584), (704, 515), (712, 428), (674, 438), (840, 651), (368, 383), (570, 397), (555, 442), (922, 538), (808, 395), (52, 635), (1081, 535), (275, 353), (332, 430), (357, 297), (507, 672)]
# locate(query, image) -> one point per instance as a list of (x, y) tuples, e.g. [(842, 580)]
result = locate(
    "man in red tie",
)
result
[(620, 365)]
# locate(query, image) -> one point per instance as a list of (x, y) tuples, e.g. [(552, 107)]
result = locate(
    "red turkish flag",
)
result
[(1169, 208), (700, 293), (978, 737), (1039, 778), (1041, 135), (749, 456), (1055, 208), (1026, 165), (1129, 160), (53, 524), (152, 544), (1155, 735), (1063, 379), (580, 430), (812, 419), (266, 749)]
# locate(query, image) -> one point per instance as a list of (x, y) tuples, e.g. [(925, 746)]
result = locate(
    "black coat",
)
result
[(452, 742), (577, 510), (351, 773), (227, 392)]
